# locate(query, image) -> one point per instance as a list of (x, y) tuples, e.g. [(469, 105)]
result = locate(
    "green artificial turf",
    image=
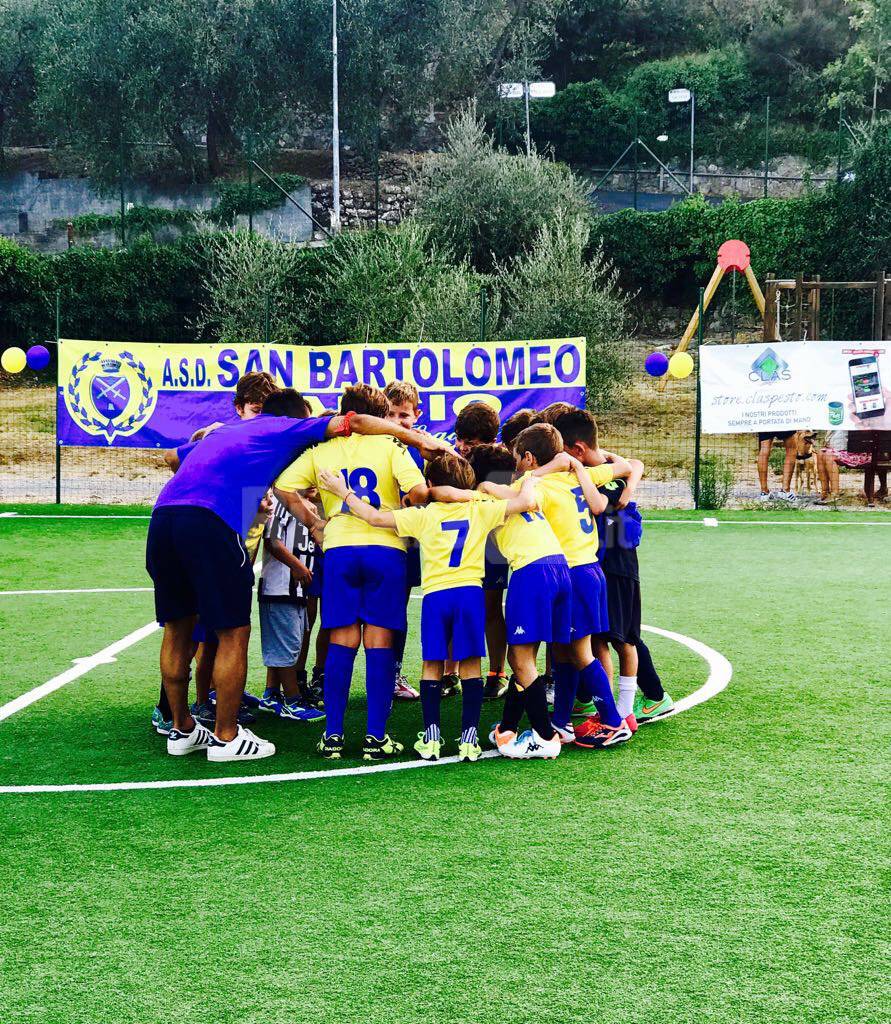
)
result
[(724, 866)]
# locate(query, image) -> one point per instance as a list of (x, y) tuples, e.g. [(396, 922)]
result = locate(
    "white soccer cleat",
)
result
[(246, 746), (529, 744), (180, 743), (565, 733)]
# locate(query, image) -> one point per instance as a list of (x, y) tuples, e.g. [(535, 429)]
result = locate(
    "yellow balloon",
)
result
[(13, 360), (680, 365)]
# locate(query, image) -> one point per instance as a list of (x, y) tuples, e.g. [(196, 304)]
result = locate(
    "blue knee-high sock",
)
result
[(566, 683), (471, 708), (583, 693), (596, 678), (431, 696), (338, 675), (380, 671)]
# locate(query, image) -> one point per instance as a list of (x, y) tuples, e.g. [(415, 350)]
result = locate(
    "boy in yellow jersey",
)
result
[(453, 540), (567, 503), (538, 610), (477, 423), (405, 408), (363, 586)]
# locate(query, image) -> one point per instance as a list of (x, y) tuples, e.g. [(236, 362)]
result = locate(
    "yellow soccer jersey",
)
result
[(452, 537), (376, 468), (563, 503), (527, 536)]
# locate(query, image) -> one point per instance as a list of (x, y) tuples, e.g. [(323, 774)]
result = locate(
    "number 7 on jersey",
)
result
[(460, 527)]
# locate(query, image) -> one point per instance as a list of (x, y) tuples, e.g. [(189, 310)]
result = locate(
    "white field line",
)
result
[(85, 590), (73, 515), (720, 672), (708, 521), (81, 667)]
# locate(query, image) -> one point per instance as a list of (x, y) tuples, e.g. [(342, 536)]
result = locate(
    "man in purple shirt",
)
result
[(196, 557)]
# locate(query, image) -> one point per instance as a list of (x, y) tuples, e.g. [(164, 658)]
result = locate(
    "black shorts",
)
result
[(623, 601), (770, 435), (199, 566), (495, 576)]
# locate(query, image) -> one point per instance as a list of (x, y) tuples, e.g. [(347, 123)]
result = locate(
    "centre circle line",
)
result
[(720, 673)]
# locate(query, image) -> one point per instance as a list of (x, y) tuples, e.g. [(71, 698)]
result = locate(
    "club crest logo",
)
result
[(110, 396), (769, 368)]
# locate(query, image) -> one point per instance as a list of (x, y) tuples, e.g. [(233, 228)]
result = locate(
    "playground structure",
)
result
[(790, 308), (793, 306)]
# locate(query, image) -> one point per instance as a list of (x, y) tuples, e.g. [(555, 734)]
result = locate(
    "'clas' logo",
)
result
[(110, 395), (769, 368)]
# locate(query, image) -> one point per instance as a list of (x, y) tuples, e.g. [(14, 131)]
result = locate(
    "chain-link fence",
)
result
[(651, 420)]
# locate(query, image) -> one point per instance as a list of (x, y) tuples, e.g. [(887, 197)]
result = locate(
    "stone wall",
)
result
[(357, 202)]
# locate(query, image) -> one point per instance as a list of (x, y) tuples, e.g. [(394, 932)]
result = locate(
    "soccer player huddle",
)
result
[(355, 509)]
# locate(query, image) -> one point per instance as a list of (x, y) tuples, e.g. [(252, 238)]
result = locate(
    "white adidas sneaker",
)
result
[(180, 743), (246, 746), (529, 744)]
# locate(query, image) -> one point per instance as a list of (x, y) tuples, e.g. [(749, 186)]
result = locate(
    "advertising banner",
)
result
[(156, 395), (796, 385)]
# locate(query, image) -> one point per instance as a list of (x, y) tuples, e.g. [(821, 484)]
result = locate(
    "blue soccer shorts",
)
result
[(364, 584), (590, 611), (453, 624), (538, 608)]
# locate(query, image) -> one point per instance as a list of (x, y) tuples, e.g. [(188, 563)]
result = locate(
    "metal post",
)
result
[(838, 168), (56, 390), (484, 309), (121, 184), (250, 148), (766, 141), (528, 137), (377, 172), (698, 435), (635, 159), (335, 126), (692, 134), (266, 331)]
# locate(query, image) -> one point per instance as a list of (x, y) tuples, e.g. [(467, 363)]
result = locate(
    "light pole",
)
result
[(686, 96), (661, 138), (526, 91), (335, 126)]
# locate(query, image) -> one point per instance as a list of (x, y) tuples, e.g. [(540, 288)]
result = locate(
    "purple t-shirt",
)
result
[(230, 470)]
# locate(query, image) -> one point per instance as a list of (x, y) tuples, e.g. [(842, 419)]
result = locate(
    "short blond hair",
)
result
[(399, 392)]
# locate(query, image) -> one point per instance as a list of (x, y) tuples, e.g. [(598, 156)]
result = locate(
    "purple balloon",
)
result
[(656, 364), (38, 357)]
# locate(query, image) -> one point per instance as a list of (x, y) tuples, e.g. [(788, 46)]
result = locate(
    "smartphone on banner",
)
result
[(866, 386)]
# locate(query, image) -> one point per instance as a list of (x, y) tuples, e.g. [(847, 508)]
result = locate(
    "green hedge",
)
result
[(840, 232)]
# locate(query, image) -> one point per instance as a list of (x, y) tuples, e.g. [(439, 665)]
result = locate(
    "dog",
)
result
[(805, 478)]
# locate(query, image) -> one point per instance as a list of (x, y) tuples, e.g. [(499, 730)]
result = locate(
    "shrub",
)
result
[(239, 197), (397, 285), (556, 291), (246, 276), (137, 220), (486, 205), (716, 479)]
